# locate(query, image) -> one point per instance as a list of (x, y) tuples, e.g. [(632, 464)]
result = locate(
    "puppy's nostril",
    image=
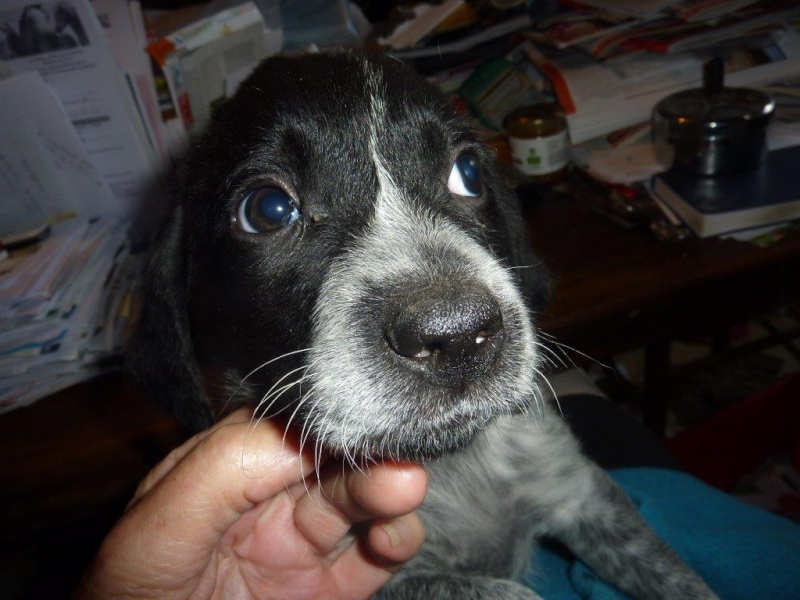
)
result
[(407, 341)]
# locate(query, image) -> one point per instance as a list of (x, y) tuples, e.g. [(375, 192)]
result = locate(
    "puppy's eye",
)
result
[(465, 176), (267, 209)]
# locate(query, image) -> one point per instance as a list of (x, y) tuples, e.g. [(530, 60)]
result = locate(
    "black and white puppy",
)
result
[(345, 253)]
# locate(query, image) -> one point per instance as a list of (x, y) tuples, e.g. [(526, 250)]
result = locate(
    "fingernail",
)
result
[(397, 531)]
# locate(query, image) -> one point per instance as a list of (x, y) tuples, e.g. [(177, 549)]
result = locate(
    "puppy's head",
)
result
[(345, 255)]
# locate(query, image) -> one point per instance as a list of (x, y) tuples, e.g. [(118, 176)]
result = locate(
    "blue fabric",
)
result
[(742, 552)]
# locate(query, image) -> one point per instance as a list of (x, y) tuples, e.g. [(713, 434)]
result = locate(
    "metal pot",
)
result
[(713, 130)]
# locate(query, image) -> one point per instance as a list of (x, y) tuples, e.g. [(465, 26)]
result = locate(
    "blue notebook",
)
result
[(714, 205)]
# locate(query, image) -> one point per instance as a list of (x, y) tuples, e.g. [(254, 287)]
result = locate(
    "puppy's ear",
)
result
[(160, 357)]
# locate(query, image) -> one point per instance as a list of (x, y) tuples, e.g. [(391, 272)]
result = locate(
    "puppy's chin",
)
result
[(420, 442), (416, 431), (414, 421)]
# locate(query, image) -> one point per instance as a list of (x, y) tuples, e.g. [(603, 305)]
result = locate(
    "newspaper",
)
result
[(63, 41), (46, 175)]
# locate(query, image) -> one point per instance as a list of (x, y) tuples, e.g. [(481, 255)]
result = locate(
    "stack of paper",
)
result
[(601, 97), (90, 125), (606, 62), (65, 46), (90, 128), (64, 305)]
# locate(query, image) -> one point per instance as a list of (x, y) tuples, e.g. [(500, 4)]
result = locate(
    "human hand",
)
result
[(236, 512)]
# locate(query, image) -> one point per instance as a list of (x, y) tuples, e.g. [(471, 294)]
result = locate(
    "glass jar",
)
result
[(539, 143)]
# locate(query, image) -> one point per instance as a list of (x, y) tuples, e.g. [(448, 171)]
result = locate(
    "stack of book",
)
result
[(749, 202)]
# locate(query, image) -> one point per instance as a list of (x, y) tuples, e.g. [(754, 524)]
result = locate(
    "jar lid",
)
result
[(535, 114)]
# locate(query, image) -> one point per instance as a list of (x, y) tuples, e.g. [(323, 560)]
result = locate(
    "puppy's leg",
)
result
[(606, 532), (594, 518), (441, 586)]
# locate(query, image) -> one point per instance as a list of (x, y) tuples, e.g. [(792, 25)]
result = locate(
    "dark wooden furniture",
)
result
[(68, 466), (70, 462), (81, 448), (615, 289)]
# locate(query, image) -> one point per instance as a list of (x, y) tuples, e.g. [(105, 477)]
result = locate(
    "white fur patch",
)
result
[(354, 396)]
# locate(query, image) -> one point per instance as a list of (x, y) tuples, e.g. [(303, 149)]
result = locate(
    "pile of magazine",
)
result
[(611, 62), (65, 302), (608, 63)]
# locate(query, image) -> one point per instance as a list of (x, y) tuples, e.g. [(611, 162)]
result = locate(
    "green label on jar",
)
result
[(539, 156)]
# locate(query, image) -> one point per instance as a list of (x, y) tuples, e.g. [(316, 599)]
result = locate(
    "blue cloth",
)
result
[(742, 552)]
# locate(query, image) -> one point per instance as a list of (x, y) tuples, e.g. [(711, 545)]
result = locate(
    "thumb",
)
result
[(181, 512)]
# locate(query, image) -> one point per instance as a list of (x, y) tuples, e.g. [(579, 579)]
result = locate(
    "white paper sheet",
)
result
[(63, 41), (45, 172)]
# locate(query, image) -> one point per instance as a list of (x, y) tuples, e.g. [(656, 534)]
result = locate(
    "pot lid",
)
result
[(714, 106)]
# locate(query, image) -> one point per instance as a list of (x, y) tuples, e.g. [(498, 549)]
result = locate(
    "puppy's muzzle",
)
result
[(451, 337)]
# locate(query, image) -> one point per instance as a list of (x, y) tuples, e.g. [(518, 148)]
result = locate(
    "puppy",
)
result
[(345, 255)]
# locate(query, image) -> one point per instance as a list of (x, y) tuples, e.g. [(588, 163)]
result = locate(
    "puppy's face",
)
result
[(347, 257)]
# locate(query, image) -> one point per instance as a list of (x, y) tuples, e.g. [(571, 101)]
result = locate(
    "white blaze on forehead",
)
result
[(355, 397), (401, 228), (378, 124)]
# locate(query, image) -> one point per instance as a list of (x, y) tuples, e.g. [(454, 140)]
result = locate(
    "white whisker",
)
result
[(272, 360), (552, 391), (243, 383), (275, 396), (564, 347)]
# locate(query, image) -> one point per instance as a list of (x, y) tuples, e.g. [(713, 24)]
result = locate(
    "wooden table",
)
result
[(68, 466), (70, 462), (617, 289)]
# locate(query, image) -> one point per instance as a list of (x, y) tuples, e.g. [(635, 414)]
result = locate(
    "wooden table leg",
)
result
[(657, 388)]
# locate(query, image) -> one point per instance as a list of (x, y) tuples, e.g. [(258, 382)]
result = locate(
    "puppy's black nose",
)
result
[(454, 337)]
